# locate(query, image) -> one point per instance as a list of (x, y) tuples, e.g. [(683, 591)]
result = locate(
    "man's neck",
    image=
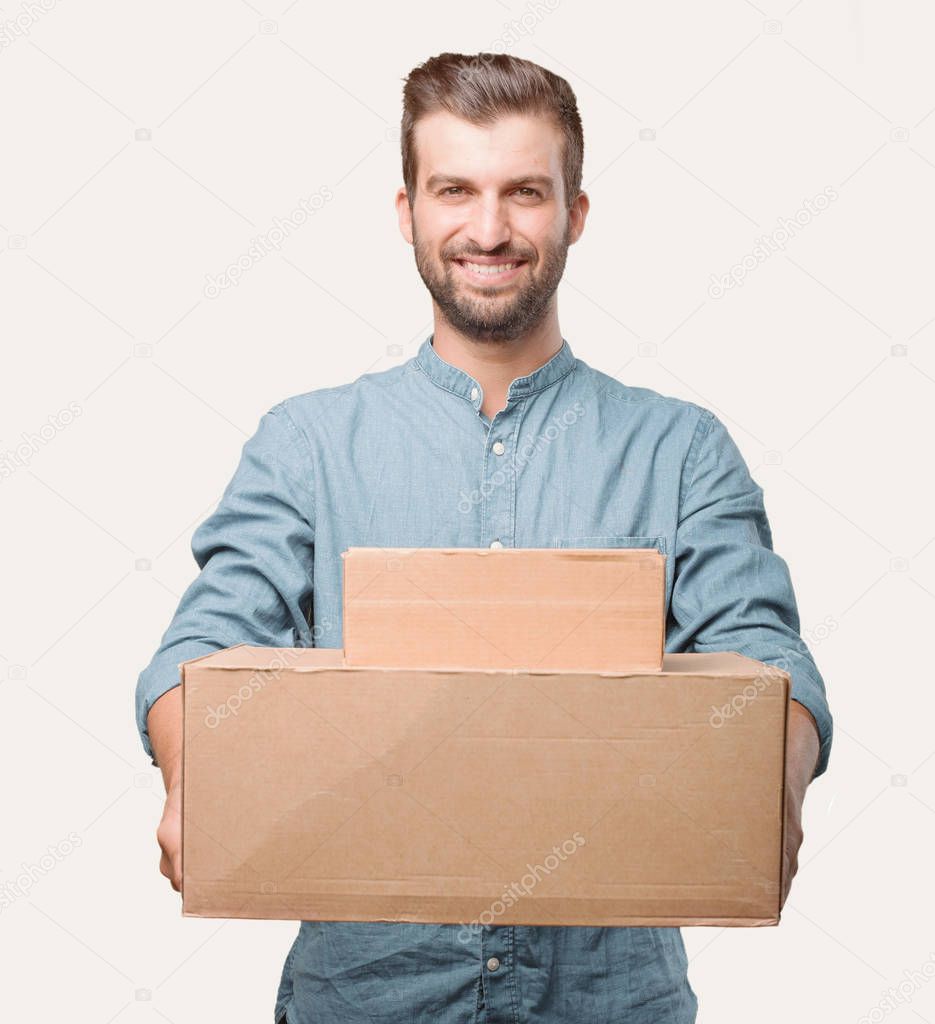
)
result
[(496, 364)]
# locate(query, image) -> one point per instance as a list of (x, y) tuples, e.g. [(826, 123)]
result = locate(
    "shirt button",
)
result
[(496, 544), (498, 448), (493, 964), (474, 394)]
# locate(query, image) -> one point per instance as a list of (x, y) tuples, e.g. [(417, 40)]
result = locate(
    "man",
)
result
[(493, 435)]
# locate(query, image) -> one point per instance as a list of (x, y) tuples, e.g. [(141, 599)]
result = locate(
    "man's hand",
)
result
[(164, 723), (169, 836), (802, 744)]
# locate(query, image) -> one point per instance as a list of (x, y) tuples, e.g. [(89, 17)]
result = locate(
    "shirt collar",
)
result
[(463, 384)]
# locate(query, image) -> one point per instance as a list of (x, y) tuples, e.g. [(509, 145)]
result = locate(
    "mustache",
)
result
[(509, 256)]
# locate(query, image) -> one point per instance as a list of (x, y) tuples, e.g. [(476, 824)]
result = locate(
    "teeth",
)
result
[(496, 268)]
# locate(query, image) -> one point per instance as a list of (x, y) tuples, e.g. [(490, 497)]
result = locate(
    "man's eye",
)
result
[(451, 190), (527, 191)]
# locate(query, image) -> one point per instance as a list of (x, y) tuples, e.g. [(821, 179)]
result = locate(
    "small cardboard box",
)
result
[(318, 790), (568, 609)]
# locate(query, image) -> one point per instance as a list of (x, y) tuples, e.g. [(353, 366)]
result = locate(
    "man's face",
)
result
[(489, 224)]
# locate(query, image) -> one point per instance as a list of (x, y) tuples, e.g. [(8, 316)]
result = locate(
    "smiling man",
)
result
[(457, 447)]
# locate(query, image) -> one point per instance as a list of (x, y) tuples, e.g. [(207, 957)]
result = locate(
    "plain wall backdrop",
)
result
[(787, 145)]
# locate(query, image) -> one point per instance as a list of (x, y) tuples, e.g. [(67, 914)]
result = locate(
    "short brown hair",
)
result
[(482, 88)]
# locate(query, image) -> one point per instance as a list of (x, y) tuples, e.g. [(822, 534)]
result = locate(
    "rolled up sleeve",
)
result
[(731, 591), (255, 553)]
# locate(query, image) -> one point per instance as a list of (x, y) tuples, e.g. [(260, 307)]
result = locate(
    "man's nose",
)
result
[(489, 225)]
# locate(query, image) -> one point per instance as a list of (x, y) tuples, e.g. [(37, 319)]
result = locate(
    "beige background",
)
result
[(144, 146)]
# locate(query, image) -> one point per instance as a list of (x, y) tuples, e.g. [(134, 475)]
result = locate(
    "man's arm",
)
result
[(255, 553), (732, 592), (165, 734), (802, 746)]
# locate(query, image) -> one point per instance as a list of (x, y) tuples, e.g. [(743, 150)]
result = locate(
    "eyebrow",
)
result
[(543, 180)]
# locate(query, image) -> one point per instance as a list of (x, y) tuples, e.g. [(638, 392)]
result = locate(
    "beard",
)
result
[(502, 316)]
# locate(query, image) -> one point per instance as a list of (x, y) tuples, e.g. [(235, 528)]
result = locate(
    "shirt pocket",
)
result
[(612, 541)]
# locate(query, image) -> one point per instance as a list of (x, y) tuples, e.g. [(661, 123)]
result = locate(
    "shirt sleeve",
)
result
[(731, 591), (255, 553)]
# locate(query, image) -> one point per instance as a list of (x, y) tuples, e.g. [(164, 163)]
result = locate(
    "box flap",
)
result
[(248, 656)]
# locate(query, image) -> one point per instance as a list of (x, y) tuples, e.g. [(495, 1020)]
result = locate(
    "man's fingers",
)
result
[(790, 856), (169, 839), (170, 869)]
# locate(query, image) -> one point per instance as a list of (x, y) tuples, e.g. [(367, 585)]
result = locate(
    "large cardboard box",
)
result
[(543, 608), (317, 790)]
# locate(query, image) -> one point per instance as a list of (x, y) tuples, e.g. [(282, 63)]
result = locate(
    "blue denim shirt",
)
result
[(406, 458)]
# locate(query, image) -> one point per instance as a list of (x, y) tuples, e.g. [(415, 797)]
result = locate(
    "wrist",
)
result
[(804, 741), (172, 773)]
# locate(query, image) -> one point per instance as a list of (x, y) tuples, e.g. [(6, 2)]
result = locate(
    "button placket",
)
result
[(497, 965), (497, 483)]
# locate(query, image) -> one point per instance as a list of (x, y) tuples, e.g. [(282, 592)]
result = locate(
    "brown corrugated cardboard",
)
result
[(543, 608), (313, 790)]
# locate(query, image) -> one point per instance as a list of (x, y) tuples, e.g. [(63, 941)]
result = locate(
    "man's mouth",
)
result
[(490, 271)]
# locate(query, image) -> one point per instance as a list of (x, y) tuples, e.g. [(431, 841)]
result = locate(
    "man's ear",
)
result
[(404, 213), (577, 215)]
